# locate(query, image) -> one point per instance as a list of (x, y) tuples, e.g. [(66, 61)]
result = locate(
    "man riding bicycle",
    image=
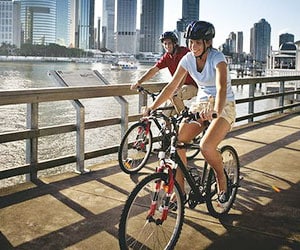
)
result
[(188, 88)]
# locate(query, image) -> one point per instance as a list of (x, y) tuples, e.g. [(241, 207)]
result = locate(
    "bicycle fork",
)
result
[(168, 188)]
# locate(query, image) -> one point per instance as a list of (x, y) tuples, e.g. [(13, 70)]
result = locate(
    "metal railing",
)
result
[(33, 97)]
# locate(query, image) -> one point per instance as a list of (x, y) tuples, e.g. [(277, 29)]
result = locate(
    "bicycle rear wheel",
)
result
[(135, 148), (193, 149), (232, 170), (138, 230)]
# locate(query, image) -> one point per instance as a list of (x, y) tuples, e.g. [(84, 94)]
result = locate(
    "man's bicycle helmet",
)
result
[(200, 30), (169, 35)]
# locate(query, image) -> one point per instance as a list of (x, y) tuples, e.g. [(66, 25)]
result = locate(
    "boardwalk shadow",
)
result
[(262, 218)]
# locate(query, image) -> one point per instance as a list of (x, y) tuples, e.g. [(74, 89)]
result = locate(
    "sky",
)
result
[(237, 15)]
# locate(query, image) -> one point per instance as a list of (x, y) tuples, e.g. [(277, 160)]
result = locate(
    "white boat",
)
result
[(148, 57), (122, 65)]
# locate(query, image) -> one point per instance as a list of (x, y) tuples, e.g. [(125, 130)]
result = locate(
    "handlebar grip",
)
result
[(196, 116), (140, 88)]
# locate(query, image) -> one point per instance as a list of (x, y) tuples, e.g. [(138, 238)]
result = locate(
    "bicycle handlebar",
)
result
[(184, 114), (143, 90), (194, 116)]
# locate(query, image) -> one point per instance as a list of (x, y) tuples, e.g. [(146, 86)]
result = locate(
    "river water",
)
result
[(22, 75)]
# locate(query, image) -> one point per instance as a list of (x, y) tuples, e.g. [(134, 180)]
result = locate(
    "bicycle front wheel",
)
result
[(232, 170), (138, 230), (135, 148)]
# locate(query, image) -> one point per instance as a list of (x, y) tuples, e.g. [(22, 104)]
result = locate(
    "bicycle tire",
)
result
[(193, 149), (232, 170), (136, 231), (133, 158)]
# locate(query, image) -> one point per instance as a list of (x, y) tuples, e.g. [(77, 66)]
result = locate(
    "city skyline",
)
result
[(230, 13)]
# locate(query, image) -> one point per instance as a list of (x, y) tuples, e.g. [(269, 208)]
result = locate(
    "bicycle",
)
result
[(136, 144), (149, 222)]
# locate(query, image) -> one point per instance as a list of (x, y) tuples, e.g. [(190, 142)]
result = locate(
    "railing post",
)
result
[(32, 143), (251, 102), (80, 127), (80, 121), (142, 101), (124, 106), (281, 98)]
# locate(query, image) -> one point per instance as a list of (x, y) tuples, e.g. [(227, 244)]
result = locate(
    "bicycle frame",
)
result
[(171, 167), (190, 180)]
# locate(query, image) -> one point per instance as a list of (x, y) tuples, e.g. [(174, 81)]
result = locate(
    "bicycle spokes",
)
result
[(232, 171), (141, 139), (143, 224)]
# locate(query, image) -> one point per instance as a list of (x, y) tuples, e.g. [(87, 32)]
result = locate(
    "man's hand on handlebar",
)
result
[(135, 85)]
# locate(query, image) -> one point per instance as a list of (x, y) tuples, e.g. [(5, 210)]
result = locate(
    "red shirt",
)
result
[(171, 62)]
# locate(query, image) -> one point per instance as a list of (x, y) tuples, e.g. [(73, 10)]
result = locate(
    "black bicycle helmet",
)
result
[(197, 30), (170, 35)]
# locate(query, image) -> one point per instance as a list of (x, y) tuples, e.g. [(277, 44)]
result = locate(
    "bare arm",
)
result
[(169, 89), (221, 85), (148, 75), (182, 82)]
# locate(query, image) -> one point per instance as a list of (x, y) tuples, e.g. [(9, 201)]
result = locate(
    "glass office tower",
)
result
[(126, 26), (190, 12), (260, 41), (63, 22), (151, 25), (108, 24), (38, 19), (84, 18)]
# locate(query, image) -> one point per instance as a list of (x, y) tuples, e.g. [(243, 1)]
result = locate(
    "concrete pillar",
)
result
[(297, 56)]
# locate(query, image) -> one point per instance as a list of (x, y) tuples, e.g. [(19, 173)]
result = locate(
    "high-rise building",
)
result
[(38, 18), (63, 22), (108, 25), (260, 41), (232, 42), (190, 12), (72, 23), (10, 25), (126, 26), (84, 19), (286, 37), (240, 41), (151, 25), (98, 32), (6, 22)]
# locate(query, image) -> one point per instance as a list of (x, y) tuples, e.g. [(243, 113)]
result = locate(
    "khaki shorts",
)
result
[(186, 92), (228, 113)]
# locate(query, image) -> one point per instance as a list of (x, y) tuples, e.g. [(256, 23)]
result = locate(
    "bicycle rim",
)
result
[(232, 169), (135, 149), (136, 231)]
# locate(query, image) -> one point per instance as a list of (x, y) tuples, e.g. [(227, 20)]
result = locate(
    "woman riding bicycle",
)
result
[(208, 68)]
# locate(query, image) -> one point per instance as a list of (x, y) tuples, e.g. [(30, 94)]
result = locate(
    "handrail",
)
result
[(32, 97)]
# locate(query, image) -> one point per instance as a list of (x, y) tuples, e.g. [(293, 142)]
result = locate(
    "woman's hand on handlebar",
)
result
[(208, 115), (202, 116)]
